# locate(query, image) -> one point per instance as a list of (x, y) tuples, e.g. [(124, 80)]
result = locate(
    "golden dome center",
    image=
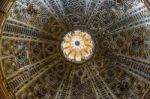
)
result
[(77, 46)]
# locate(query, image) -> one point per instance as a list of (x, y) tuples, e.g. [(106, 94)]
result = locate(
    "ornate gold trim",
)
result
[(7, 92), (147, 3)]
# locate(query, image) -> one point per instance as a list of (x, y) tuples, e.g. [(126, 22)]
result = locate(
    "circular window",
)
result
[(77, 46)]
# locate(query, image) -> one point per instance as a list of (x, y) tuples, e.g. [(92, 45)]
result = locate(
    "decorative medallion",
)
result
[(77, 46)]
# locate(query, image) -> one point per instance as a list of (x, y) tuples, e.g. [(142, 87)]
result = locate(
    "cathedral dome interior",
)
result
[(74, 49)]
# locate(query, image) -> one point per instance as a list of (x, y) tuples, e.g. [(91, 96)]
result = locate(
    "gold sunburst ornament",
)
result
[(77, 46)]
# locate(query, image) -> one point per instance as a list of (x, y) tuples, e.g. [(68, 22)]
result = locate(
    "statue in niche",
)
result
[(137, 42), (32, 10), (119, 1), (125, 83)]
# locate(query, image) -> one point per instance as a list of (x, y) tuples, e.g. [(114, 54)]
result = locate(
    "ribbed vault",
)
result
[(33, 65)]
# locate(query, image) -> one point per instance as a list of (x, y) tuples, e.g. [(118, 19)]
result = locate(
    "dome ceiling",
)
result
[(76, 49)]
